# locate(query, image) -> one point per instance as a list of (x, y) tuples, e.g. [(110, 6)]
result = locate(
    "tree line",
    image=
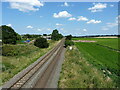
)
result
[(9, 36)]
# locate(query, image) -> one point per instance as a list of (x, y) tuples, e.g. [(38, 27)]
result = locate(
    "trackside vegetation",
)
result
[(68, 41), (20, 57), (77, 72), (89, 65)]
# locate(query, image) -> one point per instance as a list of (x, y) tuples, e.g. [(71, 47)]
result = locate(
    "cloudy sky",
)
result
[(76, 18)]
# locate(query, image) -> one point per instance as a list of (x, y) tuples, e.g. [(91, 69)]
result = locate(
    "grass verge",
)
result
[(77, 72)]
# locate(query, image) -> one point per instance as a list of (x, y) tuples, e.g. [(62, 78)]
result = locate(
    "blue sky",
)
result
[(76, 18)]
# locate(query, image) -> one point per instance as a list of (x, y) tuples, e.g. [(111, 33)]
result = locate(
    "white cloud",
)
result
[(10, 25), (114, 23), (58, 24), (62, 14), (98, 7), (30, 27), (94, 21), (71, 19), (25, 5), (81, 18), (49, 29), (105, 28), (85, 30), (39, 29), (111, 25), (65, 4), (111, 5), (117, 19), (41, 16), (61, 28)]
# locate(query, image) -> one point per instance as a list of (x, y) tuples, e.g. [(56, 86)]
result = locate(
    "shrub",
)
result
[(69, 43), (41, 43)]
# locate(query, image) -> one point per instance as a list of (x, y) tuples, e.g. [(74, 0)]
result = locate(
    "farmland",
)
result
[(110, 42), (24, 55), (91, 65)]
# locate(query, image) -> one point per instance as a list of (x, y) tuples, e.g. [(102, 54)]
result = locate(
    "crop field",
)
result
[(101, 56), (22, 56), (90, 64), (110, 42)]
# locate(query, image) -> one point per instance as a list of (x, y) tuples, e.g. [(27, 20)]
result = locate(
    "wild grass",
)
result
[(28, 53), (77, 72)]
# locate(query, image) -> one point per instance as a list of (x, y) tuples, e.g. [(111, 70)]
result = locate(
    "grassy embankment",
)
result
[(26, 54), (89, 65)]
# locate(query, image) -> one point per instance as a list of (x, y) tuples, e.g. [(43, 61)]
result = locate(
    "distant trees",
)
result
[(9, 36), (27, 36), (55, 35), (30, 36), (44, 34), (18, 36), (41, 43), (69, 37)]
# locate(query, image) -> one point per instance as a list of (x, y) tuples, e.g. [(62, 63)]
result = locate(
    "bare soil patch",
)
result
[(105, 37), (83, 41)]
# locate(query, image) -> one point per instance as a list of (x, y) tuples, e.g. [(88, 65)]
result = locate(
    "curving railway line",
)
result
[(38, 74)]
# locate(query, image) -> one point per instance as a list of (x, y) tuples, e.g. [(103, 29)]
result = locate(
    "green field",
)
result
[(89, 64), (110, 42), (25, 54), (100, 56)]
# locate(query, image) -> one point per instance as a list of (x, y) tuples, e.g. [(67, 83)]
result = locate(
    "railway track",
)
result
[(37, 74)]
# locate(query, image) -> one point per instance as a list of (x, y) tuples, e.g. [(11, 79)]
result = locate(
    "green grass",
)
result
[(28, 53), (77, 72), (100, 56), (110, 42)]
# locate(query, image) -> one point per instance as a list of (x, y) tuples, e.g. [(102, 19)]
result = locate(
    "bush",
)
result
[(41, 43), (9, 50), (69, 43)]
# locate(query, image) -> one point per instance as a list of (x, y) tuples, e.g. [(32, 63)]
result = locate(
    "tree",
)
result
[(9, 36), (69, 37), (41, 43), (55, 35), (68, 43), (44, 34)]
